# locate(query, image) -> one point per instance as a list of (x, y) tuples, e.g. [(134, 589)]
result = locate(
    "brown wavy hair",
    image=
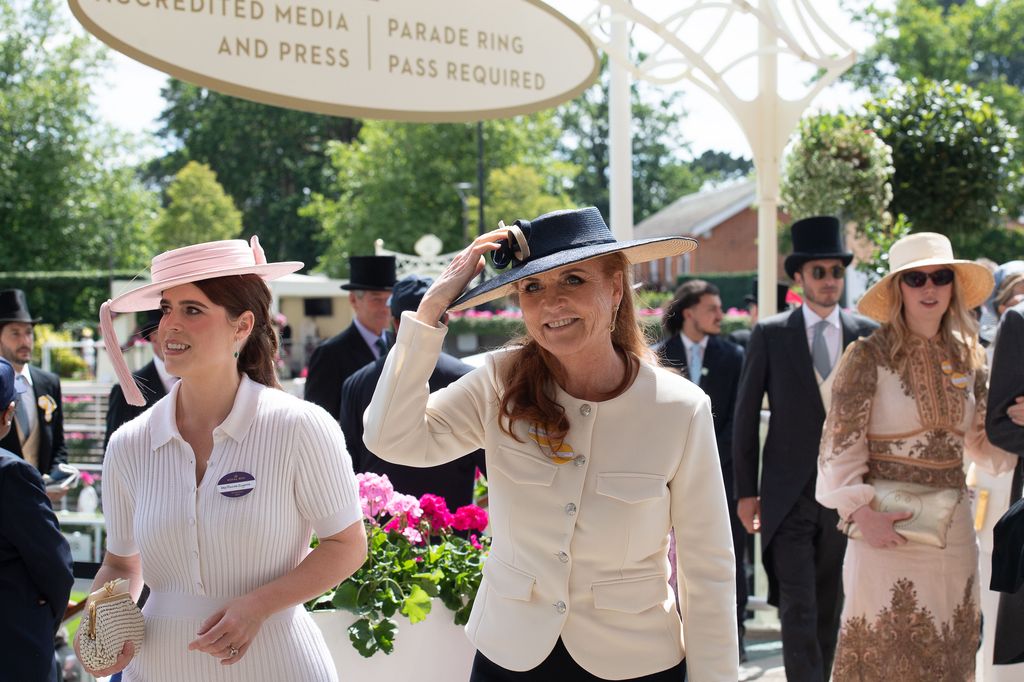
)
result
[(958, 330), (237, 294), (530, 373)]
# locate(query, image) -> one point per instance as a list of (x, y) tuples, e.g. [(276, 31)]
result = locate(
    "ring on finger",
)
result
[(232, 651)]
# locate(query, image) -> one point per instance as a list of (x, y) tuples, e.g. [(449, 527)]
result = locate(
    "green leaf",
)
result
[(416, 605), (345, 597)]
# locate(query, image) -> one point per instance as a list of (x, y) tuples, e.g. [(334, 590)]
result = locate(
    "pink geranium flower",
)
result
[(435, 513), (374, 493), (474, 541), (470, 517)]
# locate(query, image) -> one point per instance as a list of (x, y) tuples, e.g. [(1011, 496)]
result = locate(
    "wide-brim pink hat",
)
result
[(183, 266), (922, 250)]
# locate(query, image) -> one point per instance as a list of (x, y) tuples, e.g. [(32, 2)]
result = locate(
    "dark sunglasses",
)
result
[(915, 279), (820, 272)]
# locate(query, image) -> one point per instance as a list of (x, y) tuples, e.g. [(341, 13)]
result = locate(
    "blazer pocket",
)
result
[(524, 468), (632, 488), (633, 595), (508, 581)]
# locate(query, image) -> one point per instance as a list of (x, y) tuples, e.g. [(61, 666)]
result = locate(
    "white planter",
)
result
[(435, 650)]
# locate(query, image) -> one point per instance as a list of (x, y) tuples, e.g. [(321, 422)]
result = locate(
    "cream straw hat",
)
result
[(922, 250)]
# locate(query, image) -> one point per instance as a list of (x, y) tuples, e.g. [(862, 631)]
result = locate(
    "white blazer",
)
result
[(579, 550)]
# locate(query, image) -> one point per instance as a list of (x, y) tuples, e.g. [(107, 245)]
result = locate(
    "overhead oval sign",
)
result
[(410, 60)]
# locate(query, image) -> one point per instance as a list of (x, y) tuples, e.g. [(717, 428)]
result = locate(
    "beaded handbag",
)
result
[(112, 618)]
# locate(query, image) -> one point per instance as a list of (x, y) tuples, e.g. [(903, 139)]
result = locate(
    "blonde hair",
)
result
[(530, 373), (958, 330)]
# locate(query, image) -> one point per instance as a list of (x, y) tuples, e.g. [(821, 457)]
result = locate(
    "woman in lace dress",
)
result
[(907, 404)]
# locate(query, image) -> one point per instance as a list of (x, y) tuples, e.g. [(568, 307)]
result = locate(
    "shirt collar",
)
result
[(688, 343), (368, 336), (28, 375), (164, 426), (811, 318), (168, 380)]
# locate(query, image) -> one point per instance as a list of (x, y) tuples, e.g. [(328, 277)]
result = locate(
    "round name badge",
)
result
[(236, 484)]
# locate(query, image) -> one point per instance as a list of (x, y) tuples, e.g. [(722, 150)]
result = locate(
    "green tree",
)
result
[(977, 43), (518, 191), (397, 181), (660, 175), (268, 158), (838, 167), (951, 148), (62, 190), (197, 210)]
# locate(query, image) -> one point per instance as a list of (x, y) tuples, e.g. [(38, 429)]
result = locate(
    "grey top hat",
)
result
[(14, 307), (370, 273)]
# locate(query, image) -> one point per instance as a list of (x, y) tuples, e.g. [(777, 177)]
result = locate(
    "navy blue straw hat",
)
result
[(407, 294), (561, 238), (816, 238), (10, 385)]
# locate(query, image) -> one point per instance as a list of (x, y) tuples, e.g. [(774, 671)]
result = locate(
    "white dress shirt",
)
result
[(833, 332)]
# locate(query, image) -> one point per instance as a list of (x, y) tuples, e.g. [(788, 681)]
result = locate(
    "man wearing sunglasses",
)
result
[(792, 357)]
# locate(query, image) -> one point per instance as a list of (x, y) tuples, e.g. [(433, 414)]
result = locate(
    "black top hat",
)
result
[(370, 273), (148, 324), (14, 307), (781, 291), (815, 238), (561, 238)]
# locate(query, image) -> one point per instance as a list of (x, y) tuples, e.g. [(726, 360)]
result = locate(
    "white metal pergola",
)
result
[(789, 30)]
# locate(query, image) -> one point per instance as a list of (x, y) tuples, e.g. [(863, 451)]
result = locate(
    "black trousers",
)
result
[(560, 667), (807, 558)]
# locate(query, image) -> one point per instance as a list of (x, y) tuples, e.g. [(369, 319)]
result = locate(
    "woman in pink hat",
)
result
[(908, 404), (211, 496)]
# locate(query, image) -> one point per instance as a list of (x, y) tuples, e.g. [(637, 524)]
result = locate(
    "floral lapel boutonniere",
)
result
[(48, 406)]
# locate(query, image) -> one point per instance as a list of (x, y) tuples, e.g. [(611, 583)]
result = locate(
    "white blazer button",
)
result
[(559, 606), (585, 409), (570, 509), (563, 557)]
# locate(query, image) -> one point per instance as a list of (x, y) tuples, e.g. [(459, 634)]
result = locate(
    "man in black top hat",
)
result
[(336, 359), (38, 436), (153, 379), (792, 357), (453, 480)]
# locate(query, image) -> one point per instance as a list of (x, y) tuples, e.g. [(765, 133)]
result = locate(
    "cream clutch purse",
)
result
[(932, 510), (111, 619)]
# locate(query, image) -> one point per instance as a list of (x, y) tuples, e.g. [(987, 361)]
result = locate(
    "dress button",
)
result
[(580, 460), (191, 522), (559, 606), (563, 557), (585, 409), (570, 509)]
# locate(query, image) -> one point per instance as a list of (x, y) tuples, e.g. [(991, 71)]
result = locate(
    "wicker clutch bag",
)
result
[(932, 510), (111, 619)]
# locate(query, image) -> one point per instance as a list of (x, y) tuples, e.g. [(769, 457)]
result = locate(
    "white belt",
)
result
[(178, 605)]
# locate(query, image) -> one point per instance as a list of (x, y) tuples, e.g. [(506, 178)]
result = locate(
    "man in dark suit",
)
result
[(692, 346), (454, 480), (334, 360), (1004, 423), (792, 357), (35, 560), (38, 433), (152, 379)]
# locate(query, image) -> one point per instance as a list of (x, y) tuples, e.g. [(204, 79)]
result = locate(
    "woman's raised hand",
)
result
[(450, 284), (877, 526)]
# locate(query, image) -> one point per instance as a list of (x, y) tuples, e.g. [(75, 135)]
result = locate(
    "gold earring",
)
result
[(615, 313)]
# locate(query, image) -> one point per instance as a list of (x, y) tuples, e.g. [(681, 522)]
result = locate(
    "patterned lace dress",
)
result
[(911, 612)]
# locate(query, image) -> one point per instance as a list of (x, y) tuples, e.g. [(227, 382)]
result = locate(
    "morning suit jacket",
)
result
[(333, 361), (52, 450), (778, 362), (120, 412), (579, 548), (723, 361), (453, 481), (1006, 383), (35, 573)]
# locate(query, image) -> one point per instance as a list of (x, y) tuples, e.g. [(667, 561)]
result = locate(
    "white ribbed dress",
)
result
[(200, 548)]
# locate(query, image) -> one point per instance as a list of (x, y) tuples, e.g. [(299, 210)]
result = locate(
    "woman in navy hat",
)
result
[(593, 455)]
